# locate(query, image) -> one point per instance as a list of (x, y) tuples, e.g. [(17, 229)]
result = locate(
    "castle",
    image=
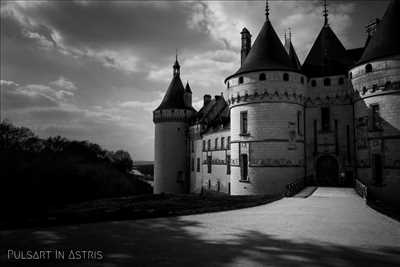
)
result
[(328, 122)]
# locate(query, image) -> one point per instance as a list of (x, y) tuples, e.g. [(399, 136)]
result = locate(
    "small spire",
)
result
[(325, 13), (266, 10), (176, 66), (285, 35), (290, 34)]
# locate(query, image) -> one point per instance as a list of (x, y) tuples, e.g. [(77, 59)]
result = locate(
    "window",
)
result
[(218, 186), (209, 144), (341, 81), (244, 167), (313, 83), (228, 141), (198, 164), (216, 143), (228, 85), (299, 122), (222, 142), (325, 120), (302, 80), (228, 164), (368, 68), (243, 122), (240, 80), (262, 77), (375, 119), (315, 137), (209, 184), (327, 82), (204, 145), (209, 159), (192, 165), (286, 77), (179, 177)]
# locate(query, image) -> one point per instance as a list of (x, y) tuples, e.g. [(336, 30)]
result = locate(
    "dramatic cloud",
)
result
[(96, 69)]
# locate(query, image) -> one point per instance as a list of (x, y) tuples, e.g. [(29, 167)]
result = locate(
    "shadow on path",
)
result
[(180, 242)]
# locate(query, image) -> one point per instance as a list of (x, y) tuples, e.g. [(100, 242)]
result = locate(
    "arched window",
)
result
[(262, 77), (368, 68), (302, 80), (240, 80), (313, 83), (228, 85), (327, 82), (286, 77), (341, 81)]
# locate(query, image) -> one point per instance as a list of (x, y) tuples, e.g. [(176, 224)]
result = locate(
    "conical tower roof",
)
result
[(327, 56), (386, 40), (187, 88), (267, 53), (292, 53), (174, 97)]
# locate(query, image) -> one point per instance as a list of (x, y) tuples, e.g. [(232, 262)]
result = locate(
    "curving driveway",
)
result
[(332, 227)]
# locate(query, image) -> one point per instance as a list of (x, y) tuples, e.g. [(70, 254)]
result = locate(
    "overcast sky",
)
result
[(95, 70)]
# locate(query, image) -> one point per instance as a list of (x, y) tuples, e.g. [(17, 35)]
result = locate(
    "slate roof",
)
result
[(327, 56), (187, 88), (173, 98), (386, 40), (267, 53), (292, 54), (214, 114)]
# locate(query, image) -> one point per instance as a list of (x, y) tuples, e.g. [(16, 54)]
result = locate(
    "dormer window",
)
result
[(368, 68), (262, 77), (240, 80), (327, 82), (313, 83), (286, 77), (302, 80)]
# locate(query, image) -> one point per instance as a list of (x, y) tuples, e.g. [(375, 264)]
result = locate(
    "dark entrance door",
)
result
[(327, 171), (377, 168)]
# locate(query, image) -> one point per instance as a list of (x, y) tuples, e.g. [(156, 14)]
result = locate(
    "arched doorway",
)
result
[(327, 171)]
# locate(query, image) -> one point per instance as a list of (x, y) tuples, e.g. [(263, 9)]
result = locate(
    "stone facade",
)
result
[(278, 123)]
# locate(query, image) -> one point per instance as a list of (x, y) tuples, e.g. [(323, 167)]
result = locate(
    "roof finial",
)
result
[(176, 66), (290, 34), (325, 13), (266, 10)]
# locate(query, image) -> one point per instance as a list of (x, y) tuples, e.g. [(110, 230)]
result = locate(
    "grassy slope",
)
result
[(138, 207)]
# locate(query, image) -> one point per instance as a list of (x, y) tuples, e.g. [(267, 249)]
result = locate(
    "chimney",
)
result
[(246, 44), (206, 100), (371, 29)]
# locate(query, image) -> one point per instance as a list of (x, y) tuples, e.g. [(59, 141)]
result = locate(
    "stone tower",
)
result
[(329, 110), (171, 121), (376, 84), (267, 132)]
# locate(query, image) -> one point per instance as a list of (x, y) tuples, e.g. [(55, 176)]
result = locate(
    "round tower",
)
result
[(376, 85), (267, 132), (171, 121)]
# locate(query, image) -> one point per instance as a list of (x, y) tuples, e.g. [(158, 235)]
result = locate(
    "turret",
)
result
[(376, 84), (246, 44), (266, 111), (171, 119)]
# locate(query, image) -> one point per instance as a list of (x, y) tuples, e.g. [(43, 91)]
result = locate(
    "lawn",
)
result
[(137, 207)]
